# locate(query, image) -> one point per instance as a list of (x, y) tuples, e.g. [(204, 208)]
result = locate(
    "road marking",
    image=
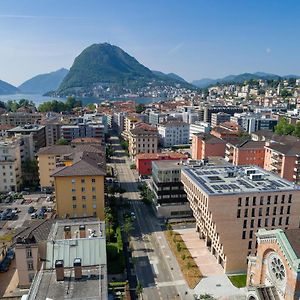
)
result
[(171, 283)]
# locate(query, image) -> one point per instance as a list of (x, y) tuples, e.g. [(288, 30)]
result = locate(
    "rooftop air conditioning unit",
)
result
[(256, 177), (250, 171)]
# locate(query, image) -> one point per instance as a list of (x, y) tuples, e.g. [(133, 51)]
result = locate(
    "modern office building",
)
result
[(199, 127), (82, 130), (231, 203), (274, 272), (169, 195), (218, 118), (79, 186), (174, 133), (74, 265)]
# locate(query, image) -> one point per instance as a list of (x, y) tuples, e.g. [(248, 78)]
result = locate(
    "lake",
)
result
[(38, 99)]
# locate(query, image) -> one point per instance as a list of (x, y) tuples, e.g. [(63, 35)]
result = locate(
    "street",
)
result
[(155, 266)]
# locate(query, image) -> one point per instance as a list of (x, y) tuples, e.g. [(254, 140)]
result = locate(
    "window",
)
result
[(83, 189), (261, 200), (267, 211), (31, 276), (238, 213), (94, 206), (282, 198), (273, 221), (253, 212), (252, 224), (28, 253), (82, 180), (73, 198), (251, 234), (245, 224), (274, 210), (83, 205), (244, 235), (275, 199), (260, 211), (280, 221), (247, 201), (73, 180), (250, 245), (246, 213), (94, 197), (288, 211), (239, 201), (93, 189), (281, 210), (269, 200), (74, 206), (259, 223), (30, 265), (266, 222), (254, 201), (73, 190), (83, 198), (290, 198), (287, 220)]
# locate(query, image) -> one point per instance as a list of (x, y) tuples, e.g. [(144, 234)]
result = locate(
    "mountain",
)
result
[(103, 67), (7, 89), (169, 75), (240, 78), (43, 83)]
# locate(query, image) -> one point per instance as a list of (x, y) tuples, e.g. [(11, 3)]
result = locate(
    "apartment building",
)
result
[(218, 118), (20, 118), (74, 265), (169, 195), (205, 145), (199, 127), (30, 249), (82, 130), (144, 160), (143, 139), (207, 111), (129, 123), (274, 273), (49, 158), (79, 186), (38, 132), (284, 160), (174, 133), (10, 165), (231, 203), (247, 153)]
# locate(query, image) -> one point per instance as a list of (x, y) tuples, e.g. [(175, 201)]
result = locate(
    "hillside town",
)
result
[(185, 198)]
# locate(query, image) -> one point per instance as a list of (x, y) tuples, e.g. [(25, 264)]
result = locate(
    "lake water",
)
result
[(38, 99)]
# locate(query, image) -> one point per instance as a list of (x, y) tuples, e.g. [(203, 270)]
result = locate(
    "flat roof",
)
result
[(167, 164), (27, 128), (92, 286), (220, 180)]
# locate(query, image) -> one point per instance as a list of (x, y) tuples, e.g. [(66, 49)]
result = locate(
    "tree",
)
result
[(139, 108), (284, 128), (2, 104), (62, 141), (127, 227), (30, 173), (91, 106), (138, 289), (297, 130)]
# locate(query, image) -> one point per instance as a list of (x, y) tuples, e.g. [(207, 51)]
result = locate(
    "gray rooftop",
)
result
[(220, 180), (167, 164)]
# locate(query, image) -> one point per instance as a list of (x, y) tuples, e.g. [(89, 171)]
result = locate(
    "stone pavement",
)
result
[(214, 282)]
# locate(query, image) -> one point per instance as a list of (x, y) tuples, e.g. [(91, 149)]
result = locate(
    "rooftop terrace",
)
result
[(220, 180)]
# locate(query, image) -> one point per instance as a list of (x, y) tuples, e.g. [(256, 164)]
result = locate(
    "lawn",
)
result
[(184, 258), (238, 281)]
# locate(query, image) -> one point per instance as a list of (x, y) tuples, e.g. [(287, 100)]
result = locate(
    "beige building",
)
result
[(274, 272), (79, 186), (231, 203), (10, 165), (129, 123), (143, 139), (49, 158), (20, 118), (30, 249)]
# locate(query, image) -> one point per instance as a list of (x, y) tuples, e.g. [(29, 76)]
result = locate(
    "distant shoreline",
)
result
[(39, 99)]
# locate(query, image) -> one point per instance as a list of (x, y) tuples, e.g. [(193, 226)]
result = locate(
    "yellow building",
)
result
[(79, 187)]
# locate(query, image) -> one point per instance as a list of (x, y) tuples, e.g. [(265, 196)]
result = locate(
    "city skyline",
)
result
[(195, 40)]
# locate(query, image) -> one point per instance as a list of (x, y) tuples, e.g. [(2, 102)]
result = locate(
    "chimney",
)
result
[(59, 268), (67, 230), (77, 268), (82, 232)]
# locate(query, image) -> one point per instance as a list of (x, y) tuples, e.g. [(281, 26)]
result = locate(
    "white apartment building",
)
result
[(10, 165), (174, 133), (199, 127)]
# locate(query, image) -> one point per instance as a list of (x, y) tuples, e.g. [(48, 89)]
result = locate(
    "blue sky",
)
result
[(195, 39)]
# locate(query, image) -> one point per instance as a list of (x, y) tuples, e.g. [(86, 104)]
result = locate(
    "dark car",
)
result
[(31, 210), (10, 253)]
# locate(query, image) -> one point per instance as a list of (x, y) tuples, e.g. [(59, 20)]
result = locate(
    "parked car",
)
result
[(16, 210), (31, 210), (4, 266), (10, 253), (33, 215)]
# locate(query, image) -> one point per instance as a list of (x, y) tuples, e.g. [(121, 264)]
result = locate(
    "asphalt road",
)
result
[(155, 266)]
